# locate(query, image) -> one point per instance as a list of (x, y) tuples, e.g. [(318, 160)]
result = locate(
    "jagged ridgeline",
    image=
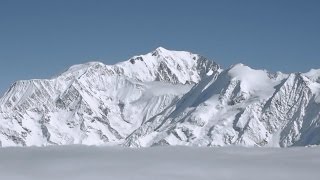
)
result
[(163, 98)]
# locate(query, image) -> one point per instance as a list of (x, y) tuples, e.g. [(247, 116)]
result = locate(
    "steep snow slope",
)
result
[(163, 98), (241, 106), (95, 103)]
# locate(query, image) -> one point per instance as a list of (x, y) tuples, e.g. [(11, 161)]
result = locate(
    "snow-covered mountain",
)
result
[(163, 98)]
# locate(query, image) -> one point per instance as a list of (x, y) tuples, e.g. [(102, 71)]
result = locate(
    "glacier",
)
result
[(164, 97)]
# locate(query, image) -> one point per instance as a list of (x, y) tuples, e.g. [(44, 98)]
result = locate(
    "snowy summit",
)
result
[(163, 98)]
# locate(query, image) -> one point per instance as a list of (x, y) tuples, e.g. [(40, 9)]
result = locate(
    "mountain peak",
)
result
[(161, 49), (168, 65)]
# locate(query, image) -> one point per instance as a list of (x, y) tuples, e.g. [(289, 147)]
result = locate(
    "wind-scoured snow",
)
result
[(174, 163), (253, 81), (163, 98)]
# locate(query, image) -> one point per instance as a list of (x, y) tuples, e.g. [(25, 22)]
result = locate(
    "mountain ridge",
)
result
[(163, 98)]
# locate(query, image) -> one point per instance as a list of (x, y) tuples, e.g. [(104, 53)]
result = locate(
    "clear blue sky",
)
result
[(39, 39)]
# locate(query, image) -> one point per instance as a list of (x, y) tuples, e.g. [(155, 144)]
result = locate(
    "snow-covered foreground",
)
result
[(115, 163)]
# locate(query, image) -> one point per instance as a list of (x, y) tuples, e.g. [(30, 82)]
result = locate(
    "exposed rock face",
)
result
[(163, 98)]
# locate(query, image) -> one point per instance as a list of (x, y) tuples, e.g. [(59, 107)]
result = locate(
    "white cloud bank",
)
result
[(163, 163)]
